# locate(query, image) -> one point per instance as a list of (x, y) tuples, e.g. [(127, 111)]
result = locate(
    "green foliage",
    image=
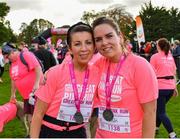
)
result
[(6, 33), (4, 10), (14, 128), (37, 26), (116, 12), (159, 22)]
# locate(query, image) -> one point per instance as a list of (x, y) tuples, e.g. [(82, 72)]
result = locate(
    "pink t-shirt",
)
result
[(7, 113), (135, 84), (58, 87), (24, 79), (95, 58), (164, 66)]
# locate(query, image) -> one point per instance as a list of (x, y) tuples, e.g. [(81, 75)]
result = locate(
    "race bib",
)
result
[(120, 122), (68, 109)]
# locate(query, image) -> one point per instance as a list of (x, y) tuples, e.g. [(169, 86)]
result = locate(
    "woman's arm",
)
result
[(40, 110), (149, 119), (38, 76), (13, 90)]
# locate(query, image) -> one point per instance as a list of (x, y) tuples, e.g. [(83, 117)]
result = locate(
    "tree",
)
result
[(4, 10), (159, 22), (6, 33), (36, 27), (174, 22), (117, 12)]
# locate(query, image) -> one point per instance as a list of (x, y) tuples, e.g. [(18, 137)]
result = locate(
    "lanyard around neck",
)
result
[(109, 86), (74, 85)]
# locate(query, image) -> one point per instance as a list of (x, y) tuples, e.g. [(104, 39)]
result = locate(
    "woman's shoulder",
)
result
[(93, 68), (136, 61), (136, 58), (100, 61), (157, 54), (57, 69)]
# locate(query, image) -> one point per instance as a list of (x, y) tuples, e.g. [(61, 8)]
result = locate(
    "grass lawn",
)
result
[(15, 129)]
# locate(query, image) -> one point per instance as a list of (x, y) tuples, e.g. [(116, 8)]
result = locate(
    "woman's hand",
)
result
[(175, 94)]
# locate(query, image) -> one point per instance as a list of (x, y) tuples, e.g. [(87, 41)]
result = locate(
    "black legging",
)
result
[(161, 116), (1, 71)]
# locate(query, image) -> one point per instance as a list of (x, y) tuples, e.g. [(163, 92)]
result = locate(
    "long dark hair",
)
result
[(164, 45)]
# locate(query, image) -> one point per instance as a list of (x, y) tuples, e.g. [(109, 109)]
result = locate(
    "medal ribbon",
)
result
[(74, 85), (109, 86)]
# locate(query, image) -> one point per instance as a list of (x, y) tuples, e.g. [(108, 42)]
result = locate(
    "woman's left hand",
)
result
[(175, 94)]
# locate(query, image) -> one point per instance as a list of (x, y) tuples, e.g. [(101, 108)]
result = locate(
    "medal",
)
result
[(108, 115), (78, 117)]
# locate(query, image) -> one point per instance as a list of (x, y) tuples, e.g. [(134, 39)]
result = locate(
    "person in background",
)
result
[(22, 46), (153, 48), (165, 69), (176, 48), (25, 80), (65, 101), (176, 55), (128, 45), (2, 63), (62, 52), (148, 51), (127, 103), (54, 52), (46, 57), (33, 47), (142, 47)]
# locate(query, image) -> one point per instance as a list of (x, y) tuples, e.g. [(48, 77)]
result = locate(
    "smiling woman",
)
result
[(81, 45), (59, 111), (122, 88)]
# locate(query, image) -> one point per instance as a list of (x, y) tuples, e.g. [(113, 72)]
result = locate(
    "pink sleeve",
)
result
[(31, 60), (46, 92), (145, 81), (100, 63), (152, 62), (174, 65)]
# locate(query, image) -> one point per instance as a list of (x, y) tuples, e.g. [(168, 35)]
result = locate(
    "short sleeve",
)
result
[(31, 60), (48, 89), (153, 62), (145, 81)]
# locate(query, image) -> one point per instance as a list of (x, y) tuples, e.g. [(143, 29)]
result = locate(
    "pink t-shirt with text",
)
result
[(24, 79), (164, 66), (135, 84), (58, 86)]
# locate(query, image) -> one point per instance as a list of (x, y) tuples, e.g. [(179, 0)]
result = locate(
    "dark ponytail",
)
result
[(164, 45)]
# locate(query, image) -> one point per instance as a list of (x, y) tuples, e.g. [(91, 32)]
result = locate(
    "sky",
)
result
[(68, 12)]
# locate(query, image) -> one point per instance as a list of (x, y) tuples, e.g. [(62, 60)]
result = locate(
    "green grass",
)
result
[(15, 129)]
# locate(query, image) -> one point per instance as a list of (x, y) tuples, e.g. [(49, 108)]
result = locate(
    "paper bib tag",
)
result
[(120, 122), (67, 110)]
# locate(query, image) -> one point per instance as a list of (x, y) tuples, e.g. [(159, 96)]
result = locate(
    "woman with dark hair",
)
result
[(65, 101), (127, 103), (165, 69)]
